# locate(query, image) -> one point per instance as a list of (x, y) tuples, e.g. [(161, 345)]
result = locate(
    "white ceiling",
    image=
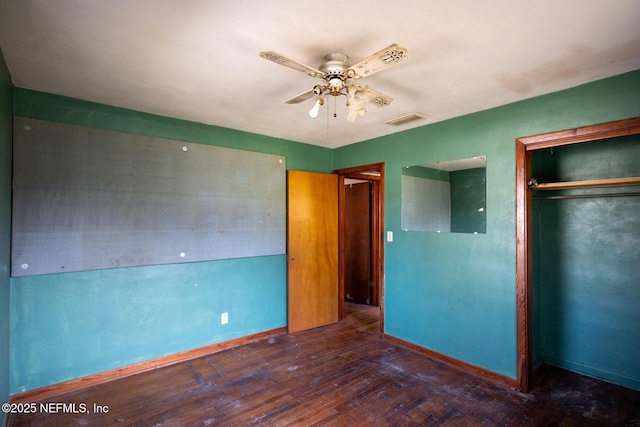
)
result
[(198, 60)]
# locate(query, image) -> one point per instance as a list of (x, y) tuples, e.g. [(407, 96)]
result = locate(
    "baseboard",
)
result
[(617, 378), (456, 363), (53, 390)]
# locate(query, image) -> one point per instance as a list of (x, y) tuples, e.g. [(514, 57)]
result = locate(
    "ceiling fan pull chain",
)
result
[(327, 124)]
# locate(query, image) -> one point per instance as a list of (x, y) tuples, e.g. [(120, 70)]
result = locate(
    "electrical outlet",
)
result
[(224, 318)]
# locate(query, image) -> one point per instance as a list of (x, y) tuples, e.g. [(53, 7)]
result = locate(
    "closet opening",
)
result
[(576, 234)]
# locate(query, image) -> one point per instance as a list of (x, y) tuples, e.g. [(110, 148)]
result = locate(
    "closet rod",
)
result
[(586, 196), (594, 183)]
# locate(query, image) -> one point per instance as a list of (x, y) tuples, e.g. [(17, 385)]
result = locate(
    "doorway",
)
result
[(360, 237), (524, 202), (358, 286)]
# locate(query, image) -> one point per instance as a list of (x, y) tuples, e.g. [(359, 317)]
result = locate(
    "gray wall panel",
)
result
[(87, 199)]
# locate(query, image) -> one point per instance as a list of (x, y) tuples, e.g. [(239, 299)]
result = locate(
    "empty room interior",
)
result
[(294, 213)]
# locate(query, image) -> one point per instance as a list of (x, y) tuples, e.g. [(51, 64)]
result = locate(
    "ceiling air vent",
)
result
[(406, 119)]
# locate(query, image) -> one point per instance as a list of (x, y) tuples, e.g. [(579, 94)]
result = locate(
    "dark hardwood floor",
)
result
[(342, 374)]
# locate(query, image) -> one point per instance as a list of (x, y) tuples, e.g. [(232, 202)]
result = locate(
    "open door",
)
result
[(312, 249)]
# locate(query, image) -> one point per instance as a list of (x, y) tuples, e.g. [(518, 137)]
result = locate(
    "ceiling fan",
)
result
[(337, 73)]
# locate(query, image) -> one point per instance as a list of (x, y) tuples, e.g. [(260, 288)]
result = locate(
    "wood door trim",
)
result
[(373, 167), (360, 172), (362, 176), (341, 198), (524, 148)]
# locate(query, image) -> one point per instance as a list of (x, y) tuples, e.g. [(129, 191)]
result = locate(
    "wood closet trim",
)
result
[(524, 148)]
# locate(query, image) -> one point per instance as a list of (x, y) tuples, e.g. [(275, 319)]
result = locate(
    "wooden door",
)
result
[(357, 243), (312, 249)]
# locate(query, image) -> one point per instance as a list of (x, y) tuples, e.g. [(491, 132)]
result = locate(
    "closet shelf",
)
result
[(594, 183)]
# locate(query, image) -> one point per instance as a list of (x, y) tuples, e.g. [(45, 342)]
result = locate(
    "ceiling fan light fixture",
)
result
[(313, 113)]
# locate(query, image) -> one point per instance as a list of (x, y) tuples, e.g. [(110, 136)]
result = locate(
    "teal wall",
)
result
[(69, 325), (65, 326), (6, 120), (455, 293), (587, 277)]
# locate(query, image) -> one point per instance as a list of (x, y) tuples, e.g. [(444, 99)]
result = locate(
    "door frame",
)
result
[(524, 254), (373, 173)]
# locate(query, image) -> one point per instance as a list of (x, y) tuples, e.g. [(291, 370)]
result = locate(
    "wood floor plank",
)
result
[(341, 374)]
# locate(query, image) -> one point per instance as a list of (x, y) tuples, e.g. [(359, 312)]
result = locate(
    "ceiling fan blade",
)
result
[(299, 98), (376, 98), (283, 60), (386, 58)]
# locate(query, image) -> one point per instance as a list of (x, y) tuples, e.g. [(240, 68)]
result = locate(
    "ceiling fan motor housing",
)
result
[(335, 70)]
